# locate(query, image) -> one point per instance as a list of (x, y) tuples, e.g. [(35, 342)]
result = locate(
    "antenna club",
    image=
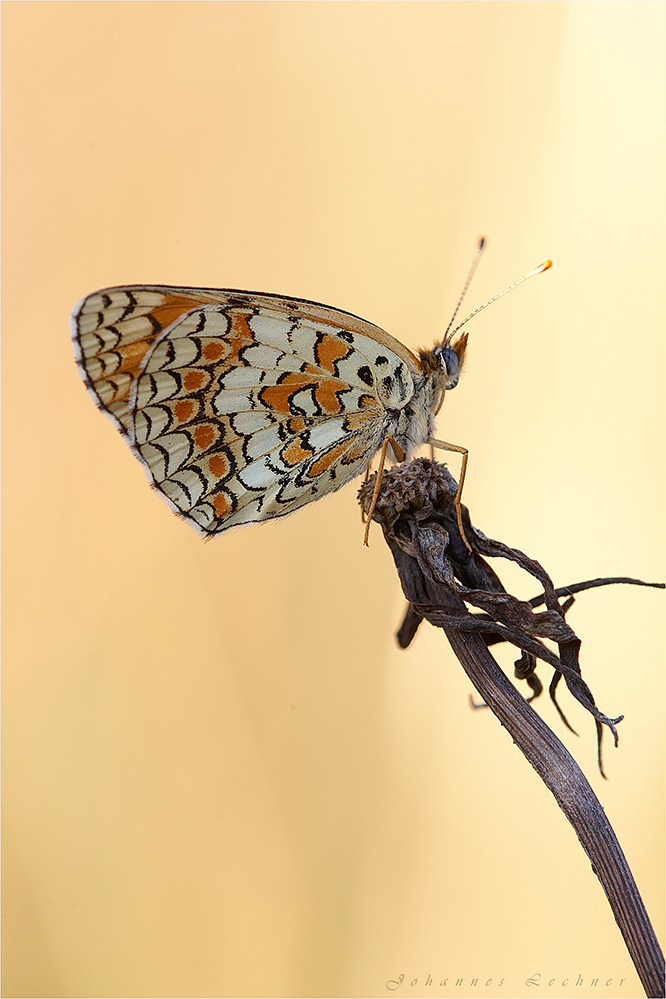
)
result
[(482, 243), (537, 270)]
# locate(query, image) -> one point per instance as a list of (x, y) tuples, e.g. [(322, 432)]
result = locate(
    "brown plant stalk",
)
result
[(440, 578)]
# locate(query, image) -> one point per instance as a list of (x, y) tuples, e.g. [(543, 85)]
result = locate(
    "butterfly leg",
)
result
[(400, 455), (456, 502), (366, 476), (364, 516)]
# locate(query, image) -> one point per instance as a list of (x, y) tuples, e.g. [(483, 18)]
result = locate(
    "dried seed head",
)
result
[(422, 485)]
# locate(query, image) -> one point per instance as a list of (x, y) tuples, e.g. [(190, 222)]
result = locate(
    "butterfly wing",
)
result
[(241, 406), (113, 330)]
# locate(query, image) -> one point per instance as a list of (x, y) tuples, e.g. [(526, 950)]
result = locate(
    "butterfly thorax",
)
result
[(438, 370), (415, 422)]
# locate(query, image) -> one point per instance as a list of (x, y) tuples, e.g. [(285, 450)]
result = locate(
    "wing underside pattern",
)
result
[(240, 406)]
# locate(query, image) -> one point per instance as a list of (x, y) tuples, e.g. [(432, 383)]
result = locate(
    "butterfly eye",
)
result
[(451, 365)]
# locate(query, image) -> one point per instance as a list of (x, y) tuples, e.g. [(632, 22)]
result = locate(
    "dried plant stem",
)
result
[(439, 577), (562, 775)]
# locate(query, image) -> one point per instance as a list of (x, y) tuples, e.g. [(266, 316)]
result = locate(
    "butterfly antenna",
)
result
[(477, 257), (537, 270)]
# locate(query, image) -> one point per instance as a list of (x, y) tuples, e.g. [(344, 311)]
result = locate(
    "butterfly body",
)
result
[(243, 406)]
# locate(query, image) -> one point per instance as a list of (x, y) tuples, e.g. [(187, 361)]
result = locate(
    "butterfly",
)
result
[(242, 406)]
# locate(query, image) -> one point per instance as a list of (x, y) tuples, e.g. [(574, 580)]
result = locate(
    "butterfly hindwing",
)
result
[(241, 406)]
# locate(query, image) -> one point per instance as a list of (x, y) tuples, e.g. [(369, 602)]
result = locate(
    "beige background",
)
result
[(221, 776)]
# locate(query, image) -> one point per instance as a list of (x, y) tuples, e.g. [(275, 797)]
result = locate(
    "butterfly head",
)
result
[(451, 359)]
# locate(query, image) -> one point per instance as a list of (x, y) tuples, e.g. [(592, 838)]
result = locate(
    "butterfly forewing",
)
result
[(241, 406)]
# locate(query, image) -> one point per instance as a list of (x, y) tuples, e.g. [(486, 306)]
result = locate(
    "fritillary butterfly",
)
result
[(243, 406)]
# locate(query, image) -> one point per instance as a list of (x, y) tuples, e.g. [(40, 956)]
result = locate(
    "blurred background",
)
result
[(222, 778)]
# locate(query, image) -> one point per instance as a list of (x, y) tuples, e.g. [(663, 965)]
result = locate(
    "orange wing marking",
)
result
[(278, 397), (328, 350), (184, 410), (219, 467), (204, 436), (222, 505), (294, 452), (331, 457), (172, 308)]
